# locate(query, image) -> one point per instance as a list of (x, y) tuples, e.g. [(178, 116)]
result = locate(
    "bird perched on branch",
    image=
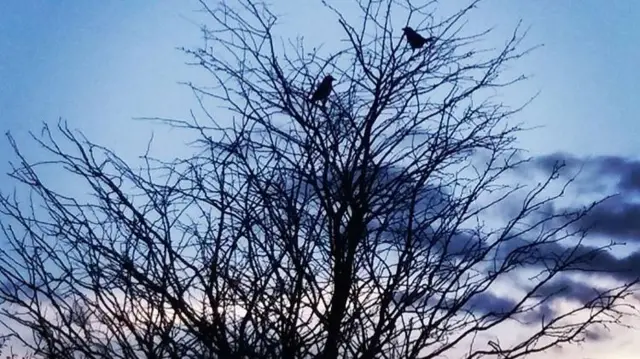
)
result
[(414, 39), (323, 90)]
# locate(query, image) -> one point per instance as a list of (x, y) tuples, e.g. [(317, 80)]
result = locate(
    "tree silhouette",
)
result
[(363, 229)]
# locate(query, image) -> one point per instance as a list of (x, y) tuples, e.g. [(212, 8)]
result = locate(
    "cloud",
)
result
[(491, 304), (579, 258), (543, 313), (624, 172), (481, 303), (569, 289), (582, 258), (615, 217), (626, 268)]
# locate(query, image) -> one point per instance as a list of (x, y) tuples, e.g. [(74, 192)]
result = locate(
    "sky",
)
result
[(98, 65)]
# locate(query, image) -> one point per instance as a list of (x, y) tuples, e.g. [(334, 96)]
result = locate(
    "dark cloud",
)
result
[(543, 313), (488, 303), (15, 290), (464, 243), (569, 289), (616, 218), (577, 258), (596, 334), (624, 172), (626, 268), (583, 258), (563, 287), (482, 303), (432, 206)]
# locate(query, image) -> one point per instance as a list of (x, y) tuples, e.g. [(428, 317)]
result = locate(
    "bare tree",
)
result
[(365, 228)]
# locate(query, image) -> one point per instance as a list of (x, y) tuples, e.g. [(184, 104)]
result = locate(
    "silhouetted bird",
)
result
[(323, 90), (414, 39)]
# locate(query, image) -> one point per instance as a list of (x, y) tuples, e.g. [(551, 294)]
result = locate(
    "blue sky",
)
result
[(98, 64)]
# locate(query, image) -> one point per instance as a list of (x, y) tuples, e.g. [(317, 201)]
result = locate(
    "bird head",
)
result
[(407, 29), (329, 78)]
